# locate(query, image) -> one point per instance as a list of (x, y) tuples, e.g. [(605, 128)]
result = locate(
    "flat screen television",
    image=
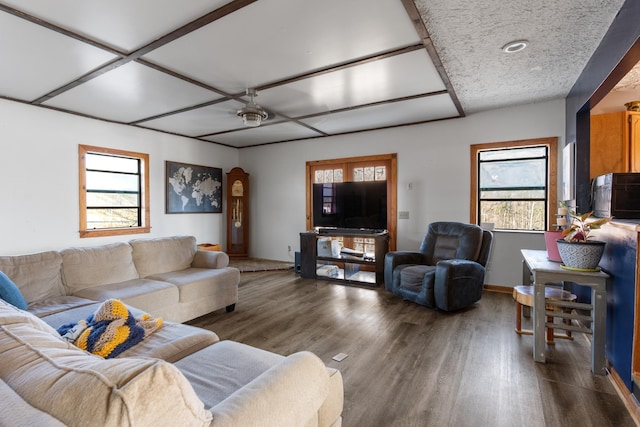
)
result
[(358, 205)]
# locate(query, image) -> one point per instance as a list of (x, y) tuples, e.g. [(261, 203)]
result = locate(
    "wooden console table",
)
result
[(536, 265)]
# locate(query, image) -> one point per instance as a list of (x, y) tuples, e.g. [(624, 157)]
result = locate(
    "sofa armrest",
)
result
[(458, 283), (288, 394), (210, 259)]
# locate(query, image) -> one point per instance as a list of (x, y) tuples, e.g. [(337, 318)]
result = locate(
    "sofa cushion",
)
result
[(147, 295), (38, 276), (229, 365), (195, 283), (80, 389), (238, 375), (111, 330), (59, 304), (161, 255), (10, 293), (88, 267), (10, 315), (170, 343)]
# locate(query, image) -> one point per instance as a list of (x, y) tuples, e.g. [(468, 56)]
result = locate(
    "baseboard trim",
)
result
[(625, 395), (501, 289)]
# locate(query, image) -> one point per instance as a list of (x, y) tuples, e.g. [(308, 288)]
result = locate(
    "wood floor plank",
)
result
[(412, 366)]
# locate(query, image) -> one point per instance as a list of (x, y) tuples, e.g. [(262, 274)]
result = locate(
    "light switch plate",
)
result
[(403, 215)]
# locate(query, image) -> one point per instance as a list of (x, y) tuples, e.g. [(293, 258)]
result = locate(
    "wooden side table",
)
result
[(210, 247), (536, 265)]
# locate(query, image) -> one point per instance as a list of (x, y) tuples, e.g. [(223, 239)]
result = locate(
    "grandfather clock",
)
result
[(237, 213)]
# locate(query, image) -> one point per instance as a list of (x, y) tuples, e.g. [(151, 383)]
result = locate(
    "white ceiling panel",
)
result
[(272, 39), (36, 61), (391, 78), (200, 121), (122, 24), (384, 115), (264, 135), (346, 66), (130, 93)]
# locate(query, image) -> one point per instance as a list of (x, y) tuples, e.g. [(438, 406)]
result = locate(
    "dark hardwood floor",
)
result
[(408, 365)]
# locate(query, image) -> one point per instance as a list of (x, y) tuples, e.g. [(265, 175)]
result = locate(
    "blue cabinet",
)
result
[(620, 262)]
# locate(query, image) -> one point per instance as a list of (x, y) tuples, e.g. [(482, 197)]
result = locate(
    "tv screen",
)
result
[(350, 205)]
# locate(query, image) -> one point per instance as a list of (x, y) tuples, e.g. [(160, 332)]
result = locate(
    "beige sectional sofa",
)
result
[(167, 276), (179, 375)]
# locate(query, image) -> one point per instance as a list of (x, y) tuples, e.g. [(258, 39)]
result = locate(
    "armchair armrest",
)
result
[(210, 259), (458, 283), (394, 259)]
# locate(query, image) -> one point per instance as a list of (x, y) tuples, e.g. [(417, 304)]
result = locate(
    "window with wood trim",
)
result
[(366, 168), (514, 184), (113, 192)]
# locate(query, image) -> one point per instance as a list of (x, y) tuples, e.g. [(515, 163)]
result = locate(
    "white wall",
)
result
[(433, 157), (39, 176)]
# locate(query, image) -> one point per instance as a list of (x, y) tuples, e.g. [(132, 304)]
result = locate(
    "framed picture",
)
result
[(193, 188)]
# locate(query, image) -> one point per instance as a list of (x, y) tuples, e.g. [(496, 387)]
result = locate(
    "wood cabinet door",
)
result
[(609, 146)]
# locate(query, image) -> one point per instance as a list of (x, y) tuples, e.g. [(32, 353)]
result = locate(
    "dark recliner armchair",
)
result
[(448, 270)]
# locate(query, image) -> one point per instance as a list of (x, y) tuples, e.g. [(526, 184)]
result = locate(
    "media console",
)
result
[(347, 266)]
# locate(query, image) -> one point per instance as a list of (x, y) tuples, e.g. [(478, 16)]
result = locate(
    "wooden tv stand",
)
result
[(344, 268)]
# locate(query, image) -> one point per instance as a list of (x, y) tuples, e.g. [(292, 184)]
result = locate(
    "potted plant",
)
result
[(576, 249)]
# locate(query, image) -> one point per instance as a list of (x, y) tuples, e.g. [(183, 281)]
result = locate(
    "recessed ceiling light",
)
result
[(515, 46)]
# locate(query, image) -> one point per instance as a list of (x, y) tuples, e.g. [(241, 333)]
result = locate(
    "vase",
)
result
[(550, 240), (581, 255)]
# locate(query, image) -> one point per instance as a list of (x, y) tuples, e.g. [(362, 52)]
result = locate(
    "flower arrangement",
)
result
[(579, 226)]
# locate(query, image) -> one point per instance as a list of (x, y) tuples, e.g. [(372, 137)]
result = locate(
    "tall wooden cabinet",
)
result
[(237, 213), (615, 143)]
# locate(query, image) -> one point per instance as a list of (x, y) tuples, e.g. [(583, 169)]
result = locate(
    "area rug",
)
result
[(257, 264)]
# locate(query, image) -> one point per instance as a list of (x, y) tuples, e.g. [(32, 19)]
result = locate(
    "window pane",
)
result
[(112, 218), (513, 174), (112, 199), (337, 175), (319, 177), (512, 194), (358, 174), (513, 153), (368, 173), (514, 215), (328, 175), (112, 181), (381, 173), (111, 163)]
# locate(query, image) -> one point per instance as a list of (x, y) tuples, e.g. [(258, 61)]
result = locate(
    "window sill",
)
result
[(114, 232)]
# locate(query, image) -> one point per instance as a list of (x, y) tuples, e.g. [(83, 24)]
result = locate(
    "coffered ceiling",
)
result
[(320, 67)]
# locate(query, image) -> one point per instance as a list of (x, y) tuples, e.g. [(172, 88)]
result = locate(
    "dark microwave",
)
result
[(617, 195)]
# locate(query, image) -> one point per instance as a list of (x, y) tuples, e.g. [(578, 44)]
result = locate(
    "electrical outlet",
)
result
[(403, 215)]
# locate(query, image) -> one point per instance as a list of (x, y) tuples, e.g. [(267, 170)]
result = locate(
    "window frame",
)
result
[(145, 227), (552, 175), (347, 165)]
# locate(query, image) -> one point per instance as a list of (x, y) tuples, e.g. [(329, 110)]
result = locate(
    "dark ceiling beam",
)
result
[(125, 58), (57, 29), (271, 85), (420, 27), (345, 65)]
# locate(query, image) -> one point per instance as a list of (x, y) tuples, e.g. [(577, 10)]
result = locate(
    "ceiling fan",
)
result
[(252, 114)]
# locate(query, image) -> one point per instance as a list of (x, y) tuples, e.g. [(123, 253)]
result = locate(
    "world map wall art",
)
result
[(193, 188)]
